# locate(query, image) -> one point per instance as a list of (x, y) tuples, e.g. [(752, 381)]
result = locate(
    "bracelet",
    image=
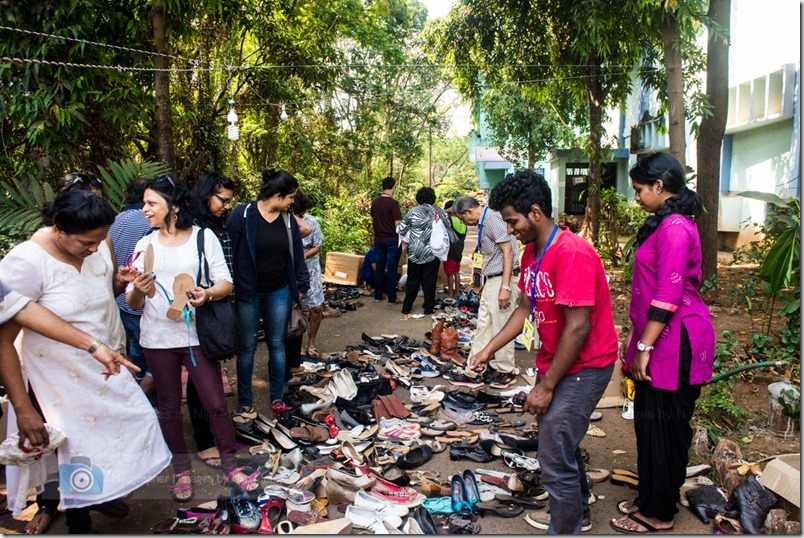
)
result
[(94, 347), (209, 295), (506, 288)]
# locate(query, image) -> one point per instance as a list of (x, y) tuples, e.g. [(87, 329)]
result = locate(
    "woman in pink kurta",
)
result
[(672, 344)]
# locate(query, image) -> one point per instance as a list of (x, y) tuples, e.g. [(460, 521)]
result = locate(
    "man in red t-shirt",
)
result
[(566, 298)]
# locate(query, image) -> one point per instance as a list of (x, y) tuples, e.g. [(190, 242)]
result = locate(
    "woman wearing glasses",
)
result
[(211, 198), (169, 344)]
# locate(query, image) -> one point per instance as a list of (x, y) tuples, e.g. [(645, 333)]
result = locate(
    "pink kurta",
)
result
[(667, 274)]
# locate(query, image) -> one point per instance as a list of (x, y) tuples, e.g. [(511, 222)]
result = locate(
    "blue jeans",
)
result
[(561, 431), (273, 309), (386, 256), (131, 324)]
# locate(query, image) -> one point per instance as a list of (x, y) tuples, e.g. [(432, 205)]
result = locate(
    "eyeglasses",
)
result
[(224, 201)]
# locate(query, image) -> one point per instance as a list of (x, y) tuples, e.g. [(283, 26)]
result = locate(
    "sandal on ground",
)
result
[(41, 520), (182, 491), (617, 525), (249, 483), (313, 353)]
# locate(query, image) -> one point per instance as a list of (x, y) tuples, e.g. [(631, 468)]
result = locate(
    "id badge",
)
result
[(528, 332), (477, 261)]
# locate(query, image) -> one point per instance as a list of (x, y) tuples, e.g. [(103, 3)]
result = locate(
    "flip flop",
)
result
[(181, 285), (621, 506), (501, 509), (598, 475), (148, 266), (623, 480), (524, 501), (639, 520), (624, 472), (206, 461), (594, 431)]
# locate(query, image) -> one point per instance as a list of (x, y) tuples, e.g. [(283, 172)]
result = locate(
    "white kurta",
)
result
[(114, 443)]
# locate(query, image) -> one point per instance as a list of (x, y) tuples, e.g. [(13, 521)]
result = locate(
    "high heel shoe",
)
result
[(471, 489), (458, 495)]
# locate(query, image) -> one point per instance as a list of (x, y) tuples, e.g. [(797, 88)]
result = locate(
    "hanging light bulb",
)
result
[(233, 132), (283, 115)]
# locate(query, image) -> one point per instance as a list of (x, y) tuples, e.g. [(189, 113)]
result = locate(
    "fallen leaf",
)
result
[(748, 438), (618, 451)]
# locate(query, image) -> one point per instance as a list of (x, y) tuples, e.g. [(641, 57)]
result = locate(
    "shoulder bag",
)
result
[(215, 321)]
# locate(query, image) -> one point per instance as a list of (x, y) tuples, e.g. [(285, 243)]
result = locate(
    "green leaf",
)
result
[(765, 197)]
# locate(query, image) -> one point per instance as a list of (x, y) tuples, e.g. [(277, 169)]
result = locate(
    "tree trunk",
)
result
[(591, 225), (671, 37), (531, 154), (164, 123), (710, 139)]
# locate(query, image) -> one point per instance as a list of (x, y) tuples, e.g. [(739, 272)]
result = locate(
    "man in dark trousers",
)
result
[(385, 217), (565, 297)]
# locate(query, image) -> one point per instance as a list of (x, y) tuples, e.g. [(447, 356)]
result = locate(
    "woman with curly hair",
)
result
[(672, 344)]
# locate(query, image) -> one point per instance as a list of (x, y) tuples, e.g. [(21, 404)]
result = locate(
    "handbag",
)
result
[(215, 321), (439, 239), (299, 313)]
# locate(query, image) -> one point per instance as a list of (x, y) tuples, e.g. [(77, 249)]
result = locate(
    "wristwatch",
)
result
[(643, 347)]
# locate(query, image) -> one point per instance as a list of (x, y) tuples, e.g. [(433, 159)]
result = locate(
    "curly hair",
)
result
[(176, 194), (522, 190), (665, 167)]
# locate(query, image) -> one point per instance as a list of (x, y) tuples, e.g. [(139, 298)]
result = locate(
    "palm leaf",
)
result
[(118, 174)]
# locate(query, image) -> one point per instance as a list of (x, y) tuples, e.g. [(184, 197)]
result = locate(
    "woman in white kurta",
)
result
[(114, 442)]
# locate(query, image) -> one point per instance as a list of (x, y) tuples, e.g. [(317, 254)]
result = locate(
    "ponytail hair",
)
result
[(665, 167)]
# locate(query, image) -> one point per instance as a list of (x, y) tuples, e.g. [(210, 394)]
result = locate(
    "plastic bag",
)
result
[(439, 239)]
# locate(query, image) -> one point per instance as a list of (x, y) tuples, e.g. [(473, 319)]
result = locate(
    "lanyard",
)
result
[(535, 272), (187, 317), (480, 229)]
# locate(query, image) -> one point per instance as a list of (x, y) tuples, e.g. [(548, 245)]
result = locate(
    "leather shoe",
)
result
[(415, 457)]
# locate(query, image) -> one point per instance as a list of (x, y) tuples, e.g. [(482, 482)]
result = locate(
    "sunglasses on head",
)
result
[(85, 179), (164, 177)]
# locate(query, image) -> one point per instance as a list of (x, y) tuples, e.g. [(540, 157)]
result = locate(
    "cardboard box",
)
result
[(782, 475), (342, 268)]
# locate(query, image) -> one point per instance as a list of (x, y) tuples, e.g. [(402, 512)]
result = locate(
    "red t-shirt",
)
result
[(571, 274)]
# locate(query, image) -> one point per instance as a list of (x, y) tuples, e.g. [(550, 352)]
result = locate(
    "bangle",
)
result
[(506, 288), (209, 295), (94, 347)]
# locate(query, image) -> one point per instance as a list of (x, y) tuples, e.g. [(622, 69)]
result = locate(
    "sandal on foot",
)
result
[(249, 483), (41, 520), (627, 507), (208, 461), (179, 490), (617, 525)]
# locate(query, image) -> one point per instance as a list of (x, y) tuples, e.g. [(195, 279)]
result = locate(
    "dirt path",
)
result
[(151, 503)]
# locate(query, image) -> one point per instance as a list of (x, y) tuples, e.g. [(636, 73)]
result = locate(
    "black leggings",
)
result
[(663, 436)]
